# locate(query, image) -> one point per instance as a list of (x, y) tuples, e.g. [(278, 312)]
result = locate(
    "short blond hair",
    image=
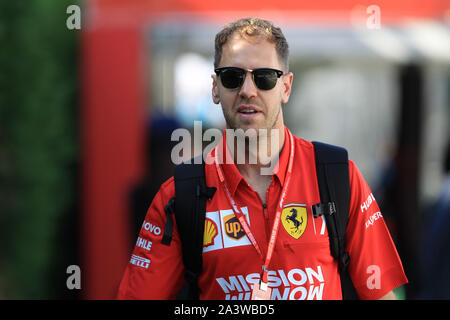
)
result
[(253, 27)]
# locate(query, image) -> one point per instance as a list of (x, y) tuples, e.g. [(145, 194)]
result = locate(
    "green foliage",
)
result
[(38, 141)]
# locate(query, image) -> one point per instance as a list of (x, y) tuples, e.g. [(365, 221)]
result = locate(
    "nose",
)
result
[(248, 88)]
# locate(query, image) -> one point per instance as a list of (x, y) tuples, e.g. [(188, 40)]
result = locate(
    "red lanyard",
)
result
[(276, 224)]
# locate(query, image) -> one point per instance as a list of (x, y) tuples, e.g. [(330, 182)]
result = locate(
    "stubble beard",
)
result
[(231, 124), (262, 134)]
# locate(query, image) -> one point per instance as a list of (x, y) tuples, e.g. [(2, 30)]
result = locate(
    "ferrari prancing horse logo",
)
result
[(294, 220)]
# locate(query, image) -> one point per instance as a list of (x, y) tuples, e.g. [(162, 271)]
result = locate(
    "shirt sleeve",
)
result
[(155, 271), (375, 266)]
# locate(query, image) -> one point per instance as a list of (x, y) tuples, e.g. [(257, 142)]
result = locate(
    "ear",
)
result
[(287, 86), (215, 90)]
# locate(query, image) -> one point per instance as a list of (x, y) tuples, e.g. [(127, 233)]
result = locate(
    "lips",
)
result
[(248, 110)]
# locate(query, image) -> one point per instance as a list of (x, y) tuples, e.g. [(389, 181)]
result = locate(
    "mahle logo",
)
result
[(233, 228)]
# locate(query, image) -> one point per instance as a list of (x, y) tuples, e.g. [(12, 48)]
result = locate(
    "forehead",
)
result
[(250, 53)]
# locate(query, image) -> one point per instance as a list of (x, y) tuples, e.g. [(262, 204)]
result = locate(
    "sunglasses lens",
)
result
[(265, 79), (231, 78)]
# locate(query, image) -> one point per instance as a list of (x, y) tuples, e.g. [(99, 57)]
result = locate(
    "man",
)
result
[(241, 238)]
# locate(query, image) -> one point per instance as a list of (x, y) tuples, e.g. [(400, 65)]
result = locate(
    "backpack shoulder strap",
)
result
[(191, 194), (334, 187)]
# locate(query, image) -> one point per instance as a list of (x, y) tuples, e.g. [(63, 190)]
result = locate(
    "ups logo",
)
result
[(233, 228)]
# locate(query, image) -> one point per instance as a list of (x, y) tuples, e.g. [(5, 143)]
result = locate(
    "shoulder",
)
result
[(307, 145), (303, 144), (356, 177), (160, 200), (307, 148), (304, 150), (167, 189)]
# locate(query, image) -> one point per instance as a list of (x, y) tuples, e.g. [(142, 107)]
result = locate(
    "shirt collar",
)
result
[(283, 158), (232, 175)]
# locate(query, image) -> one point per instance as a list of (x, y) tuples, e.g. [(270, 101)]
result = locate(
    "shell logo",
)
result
[(210, 232)]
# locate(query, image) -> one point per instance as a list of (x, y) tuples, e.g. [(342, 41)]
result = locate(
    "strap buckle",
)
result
[(169, 208), (344, 261), (191, 277), (323, 209), (205, 191), (168, 230)]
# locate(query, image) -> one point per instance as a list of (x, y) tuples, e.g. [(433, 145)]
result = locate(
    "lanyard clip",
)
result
[(263, 281), (264, 269)]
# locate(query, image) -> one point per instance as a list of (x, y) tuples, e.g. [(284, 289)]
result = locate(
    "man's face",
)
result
[(265, 104)]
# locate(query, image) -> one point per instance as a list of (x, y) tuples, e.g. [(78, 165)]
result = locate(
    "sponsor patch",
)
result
[(144, 243), (231, 235), (366, 204), (223, 230), (294, 284), (233, 228), (373, 218), (211, 232), (151, 227), (139, 261), (294, 219)]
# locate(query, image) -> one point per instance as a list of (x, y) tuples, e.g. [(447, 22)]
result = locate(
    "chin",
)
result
[(250, 127)]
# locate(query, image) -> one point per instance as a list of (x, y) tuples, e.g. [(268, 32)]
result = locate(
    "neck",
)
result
[(253, 153)]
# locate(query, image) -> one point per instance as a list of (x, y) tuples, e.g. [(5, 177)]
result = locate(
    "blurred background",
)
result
[(87, 108)]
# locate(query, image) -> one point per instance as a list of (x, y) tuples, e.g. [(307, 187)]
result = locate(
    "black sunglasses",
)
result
[(233, 77)]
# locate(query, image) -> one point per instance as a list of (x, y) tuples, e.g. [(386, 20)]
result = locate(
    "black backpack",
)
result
[(192, 194)]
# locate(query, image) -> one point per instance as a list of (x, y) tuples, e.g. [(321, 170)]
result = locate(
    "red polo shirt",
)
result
[(301, 266)]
